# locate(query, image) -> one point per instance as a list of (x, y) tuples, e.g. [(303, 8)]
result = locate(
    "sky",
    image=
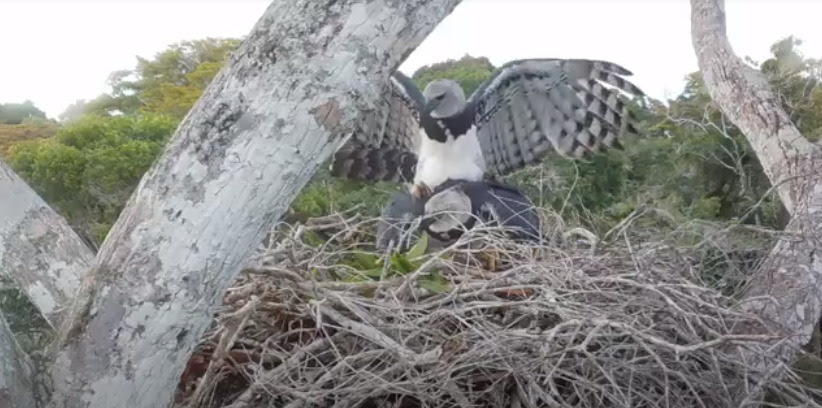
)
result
[(56, 52)]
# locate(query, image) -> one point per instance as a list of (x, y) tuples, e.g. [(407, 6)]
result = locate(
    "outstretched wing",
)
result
[(385, 142), (529, 107)]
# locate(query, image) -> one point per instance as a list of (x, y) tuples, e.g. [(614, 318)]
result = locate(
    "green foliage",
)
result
[(371, 266), (17, 113), (468, 71), (29, 129), (694, 164), (170, 83), (91, 166), (325, 195), (175, 79), (795, 78)]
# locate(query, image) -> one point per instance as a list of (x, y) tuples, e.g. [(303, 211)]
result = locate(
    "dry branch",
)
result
[(39, 251), (554, 326)]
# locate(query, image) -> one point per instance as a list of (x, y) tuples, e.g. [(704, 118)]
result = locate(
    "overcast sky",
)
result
[(55, 52)]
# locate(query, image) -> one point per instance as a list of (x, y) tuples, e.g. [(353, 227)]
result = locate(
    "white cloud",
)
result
[(60, 51)]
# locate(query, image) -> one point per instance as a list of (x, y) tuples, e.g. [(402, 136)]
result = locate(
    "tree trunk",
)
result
[(39, 251), (283, 104), (744, 96), (17, 389), (787, 289)]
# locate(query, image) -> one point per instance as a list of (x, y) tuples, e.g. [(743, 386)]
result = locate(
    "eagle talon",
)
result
[(420, 191)]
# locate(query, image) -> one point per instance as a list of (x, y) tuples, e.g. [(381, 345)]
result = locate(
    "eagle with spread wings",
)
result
[(526, 109)]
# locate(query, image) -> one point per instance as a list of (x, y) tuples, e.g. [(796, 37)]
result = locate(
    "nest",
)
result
[(319, 320)]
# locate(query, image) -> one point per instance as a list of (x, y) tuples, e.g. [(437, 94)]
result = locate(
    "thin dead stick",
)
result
[(374, 335), (314, 347)]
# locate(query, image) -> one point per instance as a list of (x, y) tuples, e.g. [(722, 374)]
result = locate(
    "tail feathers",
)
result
[(371, 164)]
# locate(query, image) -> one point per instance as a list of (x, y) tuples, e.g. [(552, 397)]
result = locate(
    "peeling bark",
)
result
[(17, 388), (39, 251), (787, 289), (283, 104)]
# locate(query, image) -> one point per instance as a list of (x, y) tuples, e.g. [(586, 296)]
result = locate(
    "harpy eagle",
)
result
[(456, 206), (524, 110)]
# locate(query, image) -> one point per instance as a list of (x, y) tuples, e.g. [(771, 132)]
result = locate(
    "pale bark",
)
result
[(787, 289), (17, 389), (744, 96), (39, 251), (281, 106)]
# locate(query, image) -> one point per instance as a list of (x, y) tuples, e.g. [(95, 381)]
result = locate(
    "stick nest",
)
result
[(632, 321)]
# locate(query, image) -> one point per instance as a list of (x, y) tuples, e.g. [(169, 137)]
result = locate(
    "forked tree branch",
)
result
[(39, 251), (283, 104), (786, 290)]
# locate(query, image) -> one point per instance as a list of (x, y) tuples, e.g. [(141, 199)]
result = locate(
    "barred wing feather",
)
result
[(530, 107), (385, 140)]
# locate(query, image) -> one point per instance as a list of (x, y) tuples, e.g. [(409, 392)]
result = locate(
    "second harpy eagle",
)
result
[(526, 109), (454, 207)]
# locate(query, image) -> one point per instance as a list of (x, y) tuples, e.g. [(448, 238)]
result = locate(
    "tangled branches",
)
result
[(319, 321)]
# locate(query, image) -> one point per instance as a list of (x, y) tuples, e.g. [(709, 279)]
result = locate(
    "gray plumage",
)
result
[(385, 141), (395, 228), (459, 205), (455, 207), (525, 110), (443, 98)]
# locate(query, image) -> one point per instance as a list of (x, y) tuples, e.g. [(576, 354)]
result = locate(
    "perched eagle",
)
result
[(524, 110), (456, 206)]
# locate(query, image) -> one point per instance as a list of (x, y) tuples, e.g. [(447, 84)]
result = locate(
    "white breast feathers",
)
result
[(459, 159)]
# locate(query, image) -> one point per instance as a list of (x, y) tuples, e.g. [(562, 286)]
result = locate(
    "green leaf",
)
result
[(365, 260), (435, 283), (373, 272), (419, 248), (313, 239), (401, 263)]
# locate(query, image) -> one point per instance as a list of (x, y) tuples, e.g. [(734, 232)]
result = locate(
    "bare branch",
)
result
[(39, 251)]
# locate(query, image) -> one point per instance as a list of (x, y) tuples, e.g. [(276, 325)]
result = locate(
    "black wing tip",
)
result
[(614, 68)]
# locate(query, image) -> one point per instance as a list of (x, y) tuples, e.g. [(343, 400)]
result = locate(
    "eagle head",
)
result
[(448, 213), (443, 98)]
